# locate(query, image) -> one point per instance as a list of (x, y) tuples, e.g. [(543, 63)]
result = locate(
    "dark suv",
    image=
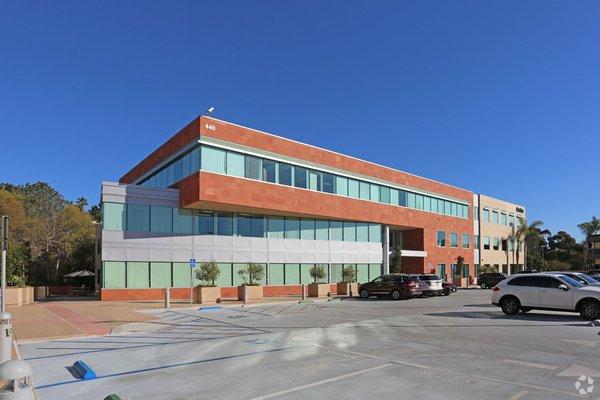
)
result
[(399, 286), (490, 279)]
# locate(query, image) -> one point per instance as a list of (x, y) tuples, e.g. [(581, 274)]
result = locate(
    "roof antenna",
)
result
[(210, 110)]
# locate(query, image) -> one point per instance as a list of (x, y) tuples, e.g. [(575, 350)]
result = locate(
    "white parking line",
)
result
[(318, 383), (533, 365), (518, 395)]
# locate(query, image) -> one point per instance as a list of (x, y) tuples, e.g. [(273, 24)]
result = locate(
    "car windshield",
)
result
[(586, 278), (429, 277), (570, 281)]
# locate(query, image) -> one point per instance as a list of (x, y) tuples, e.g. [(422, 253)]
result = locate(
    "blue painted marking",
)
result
[(84, 370), (192, 262), (209, 308)]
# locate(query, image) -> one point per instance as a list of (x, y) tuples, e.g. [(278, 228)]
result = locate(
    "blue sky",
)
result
[(501, 98)]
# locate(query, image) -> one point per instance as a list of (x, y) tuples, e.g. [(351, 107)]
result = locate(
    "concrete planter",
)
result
[(18, 296), (40, 292), (343, 287), (204, 295), (254, 293), (318, 289), (460, 282)]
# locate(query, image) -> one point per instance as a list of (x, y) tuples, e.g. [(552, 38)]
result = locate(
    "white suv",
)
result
[(430, 284), (546, 292)]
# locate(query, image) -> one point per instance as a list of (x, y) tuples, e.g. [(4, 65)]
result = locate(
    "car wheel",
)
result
[(396, 295), (446, 293), (483, 285), (510, 306), (525, 309), (590, 310), (364, 294)]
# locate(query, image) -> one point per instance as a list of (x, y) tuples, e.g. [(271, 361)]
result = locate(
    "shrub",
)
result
[(252, 274), (348, 274), (317, 272), (460, 263), (208, 273)]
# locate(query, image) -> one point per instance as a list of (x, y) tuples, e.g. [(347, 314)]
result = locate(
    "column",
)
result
[(386, 249)]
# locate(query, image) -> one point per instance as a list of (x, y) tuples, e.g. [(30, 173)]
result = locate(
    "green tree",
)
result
[(252, 274), (525, 233), (396, 260), (208, 273), (96, 213), (348, 274), (317, 272), (460, 264), (590, 228)]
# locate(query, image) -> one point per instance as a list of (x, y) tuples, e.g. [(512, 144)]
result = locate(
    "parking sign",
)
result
[(192, 262)]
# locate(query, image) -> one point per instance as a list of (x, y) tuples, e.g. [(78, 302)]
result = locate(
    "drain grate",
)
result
[(261, 341), (237, 316)]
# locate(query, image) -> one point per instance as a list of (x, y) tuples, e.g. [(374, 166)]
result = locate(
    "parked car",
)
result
[(448, 288), (579, 277), (528, 271), (594, 273), (490, 279), (544, 291), (398, 286), (431, 284)]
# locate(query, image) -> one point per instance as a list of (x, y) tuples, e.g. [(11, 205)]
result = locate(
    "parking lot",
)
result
[(454, 347)]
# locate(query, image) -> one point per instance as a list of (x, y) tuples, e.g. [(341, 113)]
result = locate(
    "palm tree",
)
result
[(523, 234), (590, 228)]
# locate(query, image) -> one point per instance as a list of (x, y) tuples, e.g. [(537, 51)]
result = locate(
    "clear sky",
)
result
[(499, 97)]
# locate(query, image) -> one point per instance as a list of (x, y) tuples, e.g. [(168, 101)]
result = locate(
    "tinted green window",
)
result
[(495, 217), (419, 202), (374, 271), (138, 274), (341, 186), (182, 221), (269, 169), (181, 274), (453, 210), (365, 190), (314, 180), (336, 272), (402, 200), (453, 239), (322, 230), (375, 195), (113, 274), (253, 167), (285, 174), (375, 233), (224, 223), (213, 160), (350, 231), (353, 188), (427, 203), (237, 278), (161, 219), (411, 200), (362, 273), (276, 228), (206, 223), (385, 194), (362, 232), (441, 238), (305, 273), (328, 183), (300, 177), (465, 240), (113, 216), (292, 228), (337, 230), (307, 229), (160, 274), (225, 277), (292, 274), (447, 208), (434, 205), (138, 218), (486, 215), (441, 271), (394, 199), (276, 274), (235, 164), (503, 219)]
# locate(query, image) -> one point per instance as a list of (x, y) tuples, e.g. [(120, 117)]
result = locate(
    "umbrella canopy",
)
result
[(80, 274)]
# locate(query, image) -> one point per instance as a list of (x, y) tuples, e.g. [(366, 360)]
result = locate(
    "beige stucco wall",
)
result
[(499, 230)]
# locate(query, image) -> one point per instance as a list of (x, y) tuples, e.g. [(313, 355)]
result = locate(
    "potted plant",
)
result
[(316, 289), (348, 285), (207, 291), (458, 279), (251, 276)]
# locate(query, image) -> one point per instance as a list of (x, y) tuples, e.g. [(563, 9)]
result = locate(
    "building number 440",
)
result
[(210, 127)]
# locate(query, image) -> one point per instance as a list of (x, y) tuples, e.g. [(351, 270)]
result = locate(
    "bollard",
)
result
[(5, 337), (349, 289), (245, 294), (303, 291), (167, 297), (16, 378)]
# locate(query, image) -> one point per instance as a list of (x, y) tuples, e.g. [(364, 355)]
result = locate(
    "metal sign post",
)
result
[(4, 245), (192, 266)]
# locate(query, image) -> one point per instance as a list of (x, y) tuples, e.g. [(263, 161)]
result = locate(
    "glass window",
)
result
[(375, 233), (182, 221), (341, 186), (138, 218), (495, 216), (269, 171), (441, 271), (253, 167), (171, 174), (394, 196), (285, 174), (292, 228), (276, 227), (441, 206), (113, 216), (486, 242), (434, 205), (206, 223), (307, 229), (328, 183), (441, 238), (353, 188), (402, 198), (186, 165), (349, 231), (503, 218), (453, 209), (453, 239), (314, 180), (195, 160), (362, 232), (224, 223), (213, 160), (365, 190), (476, 241), (258, 226), (465, 241), (322, 230), (486, 215), (427, 203), (496, 243), (447, 208), (337, 230), (161, 219), (375, 195), (244, 225), (385, 194), (178, 170), (235, 164), (476, 213), (411, 200), (300, 177), (419, 202)]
